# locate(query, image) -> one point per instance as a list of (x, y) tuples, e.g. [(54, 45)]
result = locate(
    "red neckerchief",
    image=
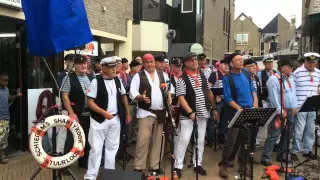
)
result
[(195, 77), (221, 72), (132, 74), (204, 67), (124, 75), (311, 76)]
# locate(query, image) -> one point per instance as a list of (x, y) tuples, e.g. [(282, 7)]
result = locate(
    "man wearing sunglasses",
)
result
[(307, 79)]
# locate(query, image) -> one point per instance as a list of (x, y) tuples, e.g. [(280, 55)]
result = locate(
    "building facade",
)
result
[(150, 26), (111, 25), (247, 35), (203, 27), (218, 28), (310, 27), (284, 30)]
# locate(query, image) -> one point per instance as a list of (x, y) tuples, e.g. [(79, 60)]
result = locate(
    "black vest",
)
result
[(190, 95), (259, 90), (102, 100), (145, 86), (174, 97), (264, 79), (76, 96)]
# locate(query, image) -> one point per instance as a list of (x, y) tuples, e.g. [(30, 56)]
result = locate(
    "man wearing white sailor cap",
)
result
[(107, 101), (307, 80)]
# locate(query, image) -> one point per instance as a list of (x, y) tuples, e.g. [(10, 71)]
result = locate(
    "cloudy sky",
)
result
[(263, 11)]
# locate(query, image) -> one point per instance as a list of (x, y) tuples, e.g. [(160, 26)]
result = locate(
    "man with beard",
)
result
[(151, 113), (215, 81), (107, 99), (289, 110), (239, 92), (74, 93), (195, 99)]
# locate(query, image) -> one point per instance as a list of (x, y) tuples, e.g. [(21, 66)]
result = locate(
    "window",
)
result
[(186, 6), (242, 39), (273, 47), (261, 48), (238, 51), (251, 52), (151, 10), (225, 20)]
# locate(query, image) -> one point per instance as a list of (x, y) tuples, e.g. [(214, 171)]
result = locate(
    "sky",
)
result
[(263, 11)]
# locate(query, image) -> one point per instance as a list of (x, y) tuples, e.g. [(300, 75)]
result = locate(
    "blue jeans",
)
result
[(304, 127), (211, 130), (272, 137)]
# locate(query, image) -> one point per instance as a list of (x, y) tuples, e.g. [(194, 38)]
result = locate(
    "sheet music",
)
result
[(298, 110)]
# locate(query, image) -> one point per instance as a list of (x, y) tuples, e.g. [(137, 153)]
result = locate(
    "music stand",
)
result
[(309, 105), (246, 119), (216, 92)]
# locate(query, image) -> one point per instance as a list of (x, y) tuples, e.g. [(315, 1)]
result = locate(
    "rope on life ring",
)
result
[(59, 162)]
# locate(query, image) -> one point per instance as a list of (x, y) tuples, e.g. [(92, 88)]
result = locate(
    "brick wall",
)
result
[(114, 19), (213, 28), (248, 27)]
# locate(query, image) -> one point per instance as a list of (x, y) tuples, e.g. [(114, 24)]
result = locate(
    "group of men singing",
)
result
[(111, 102)]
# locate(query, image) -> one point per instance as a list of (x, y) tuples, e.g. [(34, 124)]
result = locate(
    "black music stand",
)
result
[(246, 119), (216, 92), (309, 105)]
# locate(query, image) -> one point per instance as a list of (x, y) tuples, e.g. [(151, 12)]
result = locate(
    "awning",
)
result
[(312, 25)]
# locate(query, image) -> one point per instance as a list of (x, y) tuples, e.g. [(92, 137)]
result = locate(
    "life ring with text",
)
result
[(35, 142)]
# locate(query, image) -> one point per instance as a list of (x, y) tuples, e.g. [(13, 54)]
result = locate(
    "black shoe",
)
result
[(200, 170), (294, 157), (179, 172), (309, 155), (266, 163), (227, 164)]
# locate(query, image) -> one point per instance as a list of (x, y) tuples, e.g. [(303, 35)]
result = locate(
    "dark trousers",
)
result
[(84, 122), (222, 126), (123, 139)]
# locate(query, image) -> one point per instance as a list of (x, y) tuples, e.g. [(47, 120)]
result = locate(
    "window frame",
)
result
[(182, 10), (241, 42)]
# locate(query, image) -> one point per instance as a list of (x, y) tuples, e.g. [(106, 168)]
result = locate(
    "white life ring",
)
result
[(35, 142)]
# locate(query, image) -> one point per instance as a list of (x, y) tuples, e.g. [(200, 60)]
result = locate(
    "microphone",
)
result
[(163, 87), (270, 37), (171, 34)]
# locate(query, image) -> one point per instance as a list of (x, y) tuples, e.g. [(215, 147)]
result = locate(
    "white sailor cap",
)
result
[(246, 57), (109, 61), (118, 59), (268, 58), (311, 56)]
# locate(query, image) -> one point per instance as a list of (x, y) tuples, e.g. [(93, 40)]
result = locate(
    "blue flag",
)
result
[(55, 25)]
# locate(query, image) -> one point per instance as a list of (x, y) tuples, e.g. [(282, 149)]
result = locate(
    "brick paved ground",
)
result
[(22, 166)]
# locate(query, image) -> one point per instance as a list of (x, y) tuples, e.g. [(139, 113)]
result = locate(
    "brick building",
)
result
[(111, 25), (285, 31), (247, 35), (217, 31)]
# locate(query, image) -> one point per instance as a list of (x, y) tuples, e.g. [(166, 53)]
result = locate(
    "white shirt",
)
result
[(304, 86), (156, 96), (112, 93)]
